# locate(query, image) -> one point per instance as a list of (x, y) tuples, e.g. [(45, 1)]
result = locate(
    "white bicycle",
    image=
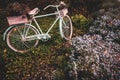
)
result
[(22, 37)]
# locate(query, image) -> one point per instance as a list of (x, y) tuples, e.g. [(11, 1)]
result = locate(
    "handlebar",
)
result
[(56, 6)]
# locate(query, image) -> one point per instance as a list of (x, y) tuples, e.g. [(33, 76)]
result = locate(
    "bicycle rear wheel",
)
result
[(67, 29), (16, 38)]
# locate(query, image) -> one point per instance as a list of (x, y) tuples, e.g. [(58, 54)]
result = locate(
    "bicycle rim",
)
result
[(67, 29), (15, 38)]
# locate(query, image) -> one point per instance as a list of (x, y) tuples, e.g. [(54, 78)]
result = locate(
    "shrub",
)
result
[(97, 52), (81, 22)]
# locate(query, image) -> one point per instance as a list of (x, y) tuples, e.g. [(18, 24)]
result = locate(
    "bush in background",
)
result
[(97, 52), (81, 22)]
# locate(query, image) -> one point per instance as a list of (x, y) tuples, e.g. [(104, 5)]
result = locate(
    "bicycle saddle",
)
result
[(34, 11)]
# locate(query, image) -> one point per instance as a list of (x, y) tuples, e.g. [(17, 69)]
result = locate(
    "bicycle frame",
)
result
[(46, 15), (45, 35)]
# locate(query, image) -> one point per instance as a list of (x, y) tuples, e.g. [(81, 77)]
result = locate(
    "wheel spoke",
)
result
[(16, 38)]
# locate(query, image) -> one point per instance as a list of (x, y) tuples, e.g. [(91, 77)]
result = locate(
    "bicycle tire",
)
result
[(67, 28), (14, 38)]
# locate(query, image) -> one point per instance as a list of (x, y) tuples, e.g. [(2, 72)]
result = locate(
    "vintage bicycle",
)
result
[(21, 36)]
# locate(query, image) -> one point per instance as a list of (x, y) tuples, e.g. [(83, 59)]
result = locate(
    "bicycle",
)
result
[(22, 37)]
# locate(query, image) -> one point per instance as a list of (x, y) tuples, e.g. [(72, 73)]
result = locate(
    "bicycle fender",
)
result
[(6, 31)]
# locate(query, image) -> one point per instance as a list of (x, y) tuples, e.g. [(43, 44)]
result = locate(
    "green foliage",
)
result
[(81, 22)]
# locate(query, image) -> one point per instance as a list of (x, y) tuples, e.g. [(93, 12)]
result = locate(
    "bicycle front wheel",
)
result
[(67, 29), (16, 38)]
